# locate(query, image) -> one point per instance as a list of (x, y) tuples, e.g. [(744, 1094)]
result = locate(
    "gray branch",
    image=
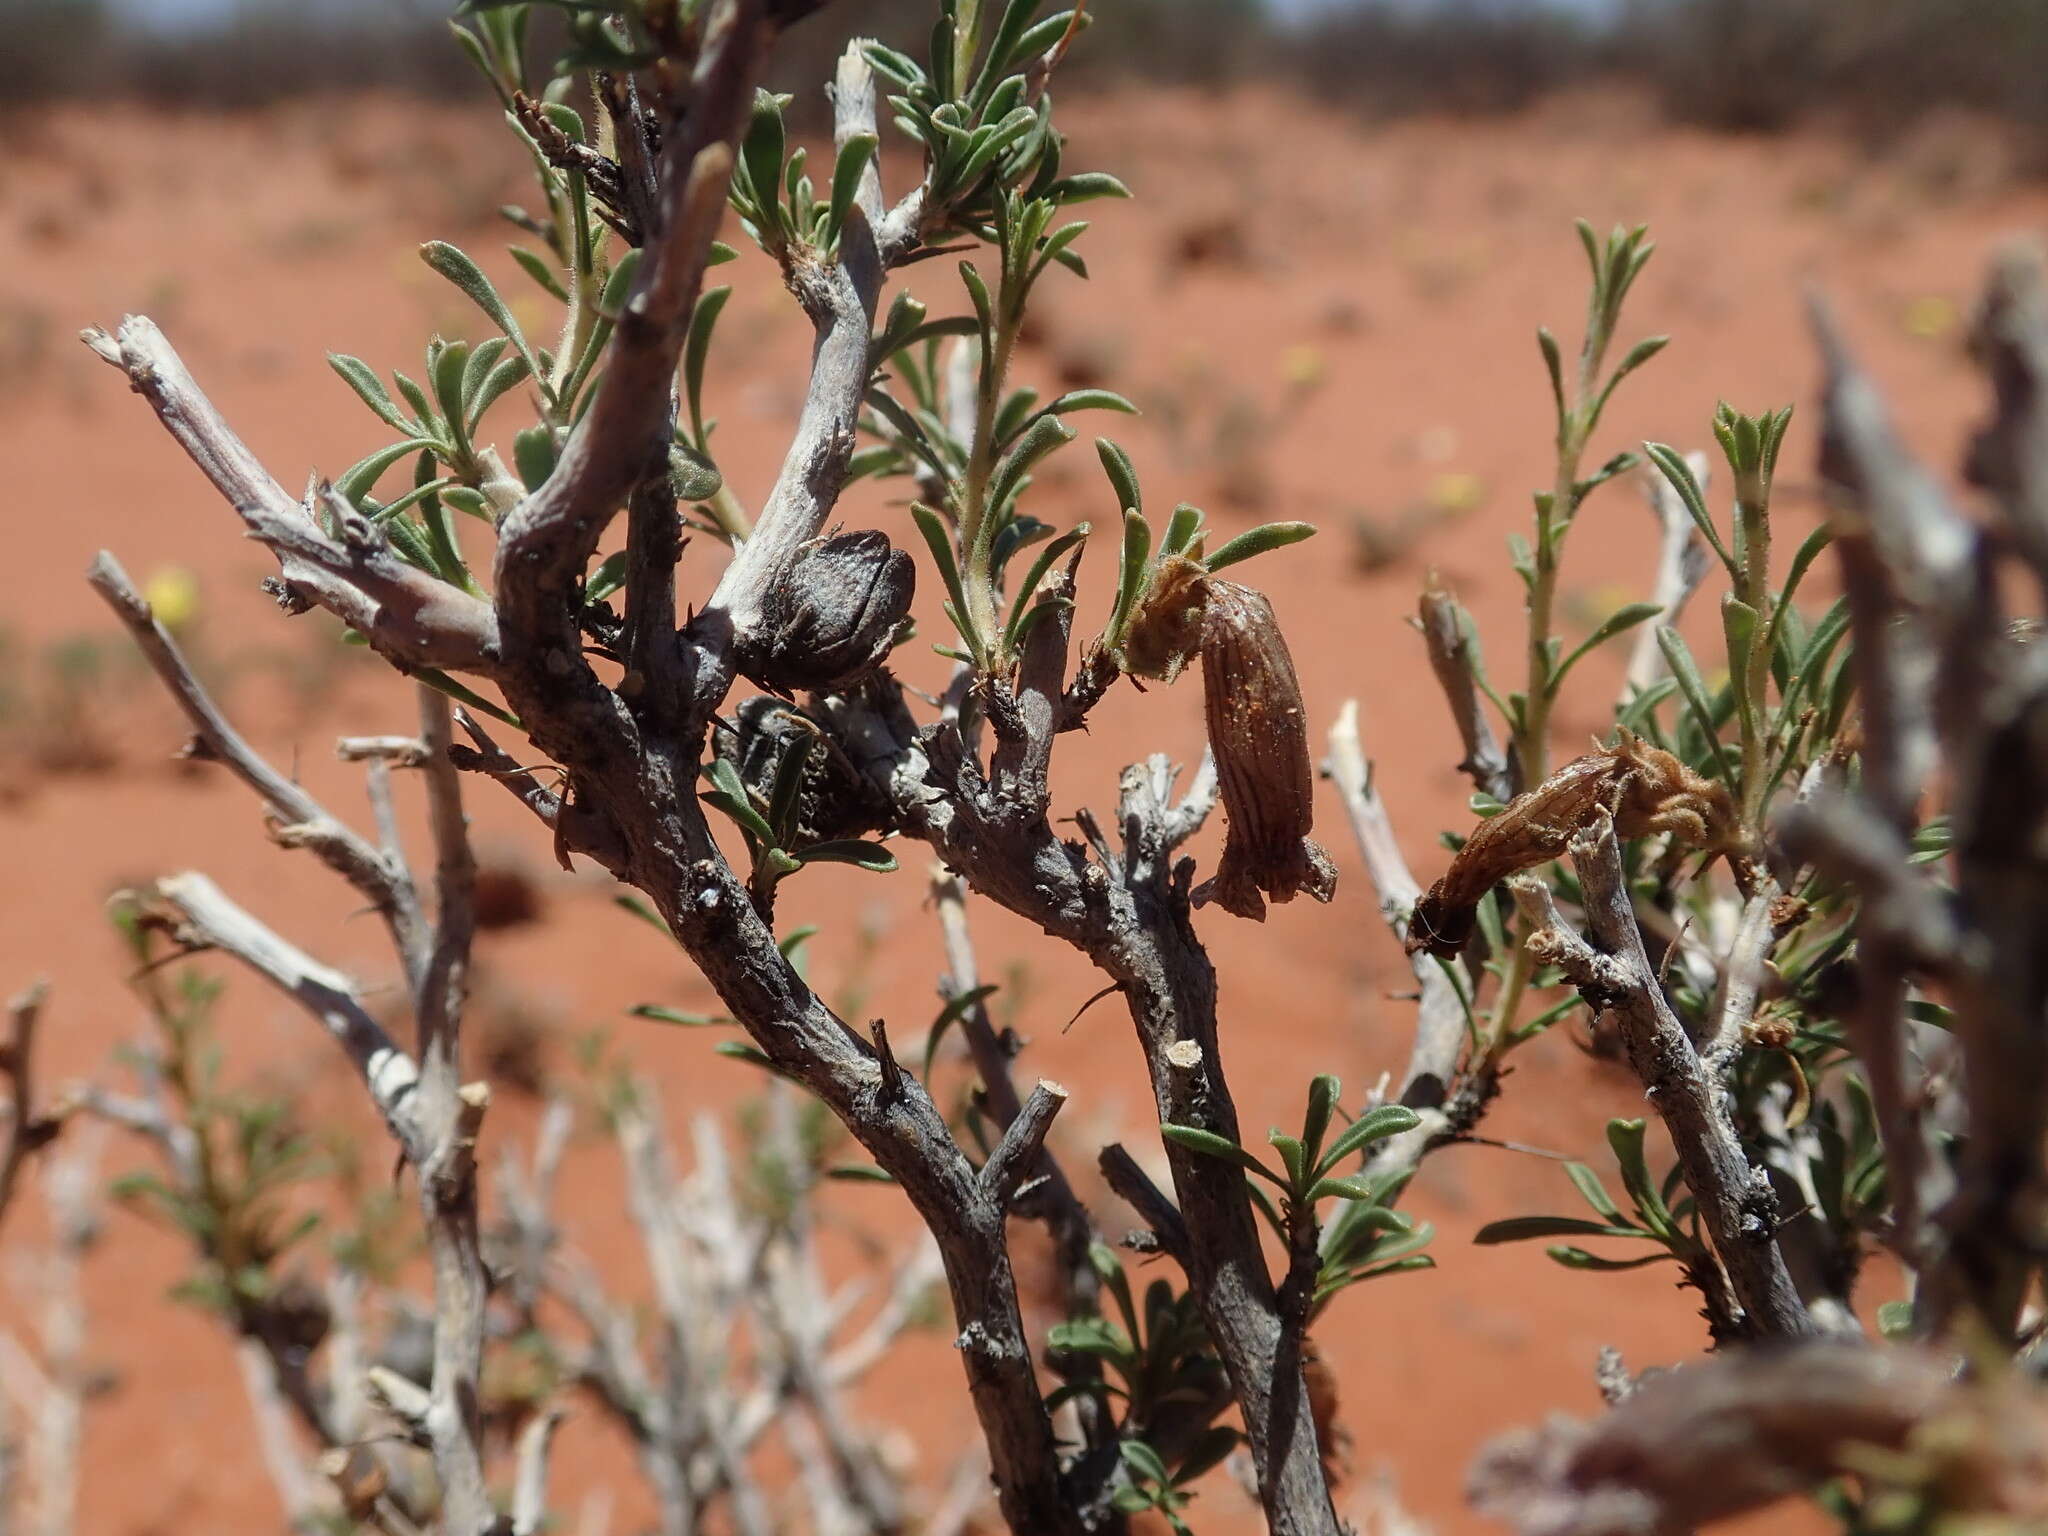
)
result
[(412, 618), (1735, 1201), (299, 820)]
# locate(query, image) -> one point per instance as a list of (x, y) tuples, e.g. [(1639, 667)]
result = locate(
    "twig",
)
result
[(1735, 1201), (1120, 1171), (410, 616), (1440, 1027), (293, 1480), (1018, 1151), (1447, 634), (841, 300), (1683, 560), (621, 440), (17, 1065), (398, 751), (204, 918), (530, 1490), (302, 821), (1781, 1422)]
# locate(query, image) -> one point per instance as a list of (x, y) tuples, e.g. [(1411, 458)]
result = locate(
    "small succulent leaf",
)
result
[(1257, 541), (852, 850)]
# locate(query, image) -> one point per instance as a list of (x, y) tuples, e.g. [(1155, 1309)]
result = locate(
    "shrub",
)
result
[(1822, 971)]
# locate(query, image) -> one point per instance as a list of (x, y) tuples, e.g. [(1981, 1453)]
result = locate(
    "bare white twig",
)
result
[(1683, 560), (301, 821), (407, 614), (1440, 1027), (530, 1491), (203, 917)]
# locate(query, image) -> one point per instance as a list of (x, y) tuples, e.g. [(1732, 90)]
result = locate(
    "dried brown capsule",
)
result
[(834, 614), (1258, 731), (1644, 788)]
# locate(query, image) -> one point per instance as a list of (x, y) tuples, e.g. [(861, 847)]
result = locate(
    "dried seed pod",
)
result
[(1258, 731), (1166, 631), (835, 612), (838, 801), (1644, 788)]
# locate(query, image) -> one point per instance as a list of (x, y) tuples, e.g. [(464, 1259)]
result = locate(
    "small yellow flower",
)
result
[(172, 593), (1454, 491), (1303, 366), (1930, 318)]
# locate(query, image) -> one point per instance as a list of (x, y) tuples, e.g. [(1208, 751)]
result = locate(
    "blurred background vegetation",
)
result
[(1872, 66)]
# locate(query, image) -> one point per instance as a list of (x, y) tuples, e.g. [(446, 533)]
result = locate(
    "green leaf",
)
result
[(1625, 1137), (691, 476), (1687, 676), (1895, 1319), (1131, 575), (1553, 363), (1193, 1138), (860, 1173), (956, 1009), (1517, 1229), (1209, 1451), (359, 377), (449, 368), (441, 682), (1090, 400), (1292, 1157), (1123, 479), (1738, 632), (1085, 187), (536, 267), (361, 477), (852, 850), (1256, 541), (1619, 623), (1047, 557), (1323, 1092), (1045, 435), (494, 385), (761, 154), (1351, 1187), (465, 274), (739, 1050), (1578, 1258), (1588, 1184), (1144, 1461), (1181, 530), (732, 798), (703, 321), (855, 155), (1671, 463), (940, 543), (609, 576), (1374, 1125), (533, 453), (1095, 1336), (638, 906), (660, 1015)]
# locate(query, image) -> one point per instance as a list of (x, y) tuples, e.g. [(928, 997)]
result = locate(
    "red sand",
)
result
[(1403, 271)]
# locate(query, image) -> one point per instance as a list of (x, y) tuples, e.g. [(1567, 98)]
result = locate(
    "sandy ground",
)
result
[(1320, 323)]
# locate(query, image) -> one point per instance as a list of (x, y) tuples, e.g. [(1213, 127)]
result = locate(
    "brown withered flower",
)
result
[(1258, 731), (1644, 788)]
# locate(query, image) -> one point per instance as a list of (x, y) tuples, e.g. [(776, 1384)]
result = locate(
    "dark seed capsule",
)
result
[(835, 613)]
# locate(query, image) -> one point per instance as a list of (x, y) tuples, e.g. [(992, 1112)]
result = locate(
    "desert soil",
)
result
[(1320, 321)]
